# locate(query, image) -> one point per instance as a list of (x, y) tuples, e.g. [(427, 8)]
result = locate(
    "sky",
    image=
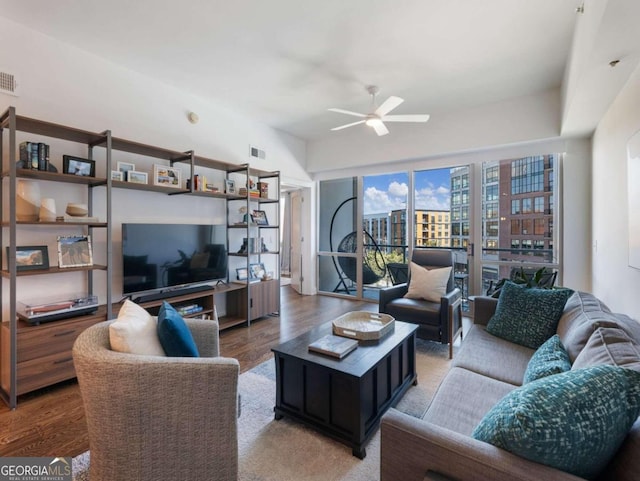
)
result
[(384, 193)]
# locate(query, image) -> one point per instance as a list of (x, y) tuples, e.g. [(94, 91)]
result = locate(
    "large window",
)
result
[(516, 214)]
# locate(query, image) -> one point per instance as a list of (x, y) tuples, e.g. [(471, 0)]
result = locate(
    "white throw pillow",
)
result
[(427, 284), (135, 331)]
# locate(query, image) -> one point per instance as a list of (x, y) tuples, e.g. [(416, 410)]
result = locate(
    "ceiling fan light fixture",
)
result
[(376, 118), (372, 121)]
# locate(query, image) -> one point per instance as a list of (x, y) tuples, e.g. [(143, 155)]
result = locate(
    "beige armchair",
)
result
[(159, 418)]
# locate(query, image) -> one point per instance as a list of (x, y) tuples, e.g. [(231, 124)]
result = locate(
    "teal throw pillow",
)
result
[(174, 334), (527, 316), (550, 358), (574, 421)]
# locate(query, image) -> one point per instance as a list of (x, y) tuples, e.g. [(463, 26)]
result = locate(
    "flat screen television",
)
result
[(163, 258)]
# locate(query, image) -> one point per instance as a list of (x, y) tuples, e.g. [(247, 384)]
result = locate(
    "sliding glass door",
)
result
[(339, 240)]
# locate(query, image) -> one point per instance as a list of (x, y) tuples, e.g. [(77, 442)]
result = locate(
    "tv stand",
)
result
[(169, 293), (203, 301)]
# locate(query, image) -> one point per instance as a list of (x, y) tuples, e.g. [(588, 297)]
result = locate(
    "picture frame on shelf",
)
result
[(30, 258), (263, 188), (117, 175), (125, 168), (74, 251), (230, 186), (135, 177), (242, 273), (167, 176), (78, 166), (259, 217), (257, 270)]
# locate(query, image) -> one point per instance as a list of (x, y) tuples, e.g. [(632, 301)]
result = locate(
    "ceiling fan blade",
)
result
[(378, 126), (388, 105), (406, 118), (349, 125), (348, 112)]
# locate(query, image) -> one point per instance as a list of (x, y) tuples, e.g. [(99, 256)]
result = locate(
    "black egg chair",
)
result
[(373, 266)]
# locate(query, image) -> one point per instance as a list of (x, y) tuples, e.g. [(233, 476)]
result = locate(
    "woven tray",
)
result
[(363, 325)]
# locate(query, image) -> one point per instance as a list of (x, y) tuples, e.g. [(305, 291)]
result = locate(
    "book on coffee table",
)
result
[(334, 346)]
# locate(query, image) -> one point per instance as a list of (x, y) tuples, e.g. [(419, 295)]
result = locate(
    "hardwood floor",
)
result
[(50, 422)]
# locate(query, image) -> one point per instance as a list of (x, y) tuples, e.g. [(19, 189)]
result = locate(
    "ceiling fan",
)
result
[(379, 115)]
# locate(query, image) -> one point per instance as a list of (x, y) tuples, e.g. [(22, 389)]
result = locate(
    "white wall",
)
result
[(65, 85), (613, 280)]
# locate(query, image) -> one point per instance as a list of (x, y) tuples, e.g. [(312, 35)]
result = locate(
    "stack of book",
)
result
[(34, 155), (190, 309)]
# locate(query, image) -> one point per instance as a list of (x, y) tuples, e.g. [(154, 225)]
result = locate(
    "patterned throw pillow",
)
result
[(174, 334), (574, 421), (550, 358), (527, 316)]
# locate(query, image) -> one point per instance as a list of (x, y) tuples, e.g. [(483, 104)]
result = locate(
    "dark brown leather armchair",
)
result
[(437, 321)]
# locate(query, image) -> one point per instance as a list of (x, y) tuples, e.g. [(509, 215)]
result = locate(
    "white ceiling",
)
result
[(285, 62)]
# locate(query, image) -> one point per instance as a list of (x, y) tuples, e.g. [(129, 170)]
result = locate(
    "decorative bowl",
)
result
[(77, 210)]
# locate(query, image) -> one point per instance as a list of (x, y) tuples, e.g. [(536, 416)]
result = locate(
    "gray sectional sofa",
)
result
[(486, 368)]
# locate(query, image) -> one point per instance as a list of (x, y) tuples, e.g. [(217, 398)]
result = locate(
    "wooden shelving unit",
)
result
[(29, 359), (26, 363)]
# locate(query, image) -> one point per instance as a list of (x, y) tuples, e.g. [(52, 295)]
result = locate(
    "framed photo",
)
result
[(125, 167), (77, 166), (230, 186), (259, 217), (74, 251), (242, 274), (30, 258), (136, 177), (117, 175), (257, 270), (167, 176)]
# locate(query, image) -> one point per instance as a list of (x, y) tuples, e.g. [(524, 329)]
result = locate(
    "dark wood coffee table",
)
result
[(344, 398)]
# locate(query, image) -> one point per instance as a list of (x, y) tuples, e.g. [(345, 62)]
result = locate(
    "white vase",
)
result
[(28, 200), (48, 210)]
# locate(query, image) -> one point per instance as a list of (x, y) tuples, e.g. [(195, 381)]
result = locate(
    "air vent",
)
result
[(257, 153), (8, 84)]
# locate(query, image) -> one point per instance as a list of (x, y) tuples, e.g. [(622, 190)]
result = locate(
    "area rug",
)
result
[(285, 450)]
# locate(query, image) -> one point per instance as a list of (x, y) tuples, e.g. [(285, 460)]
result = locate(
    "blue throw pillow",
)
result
[(574, 421), (550, 358), (174, 334), (527, 316)]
